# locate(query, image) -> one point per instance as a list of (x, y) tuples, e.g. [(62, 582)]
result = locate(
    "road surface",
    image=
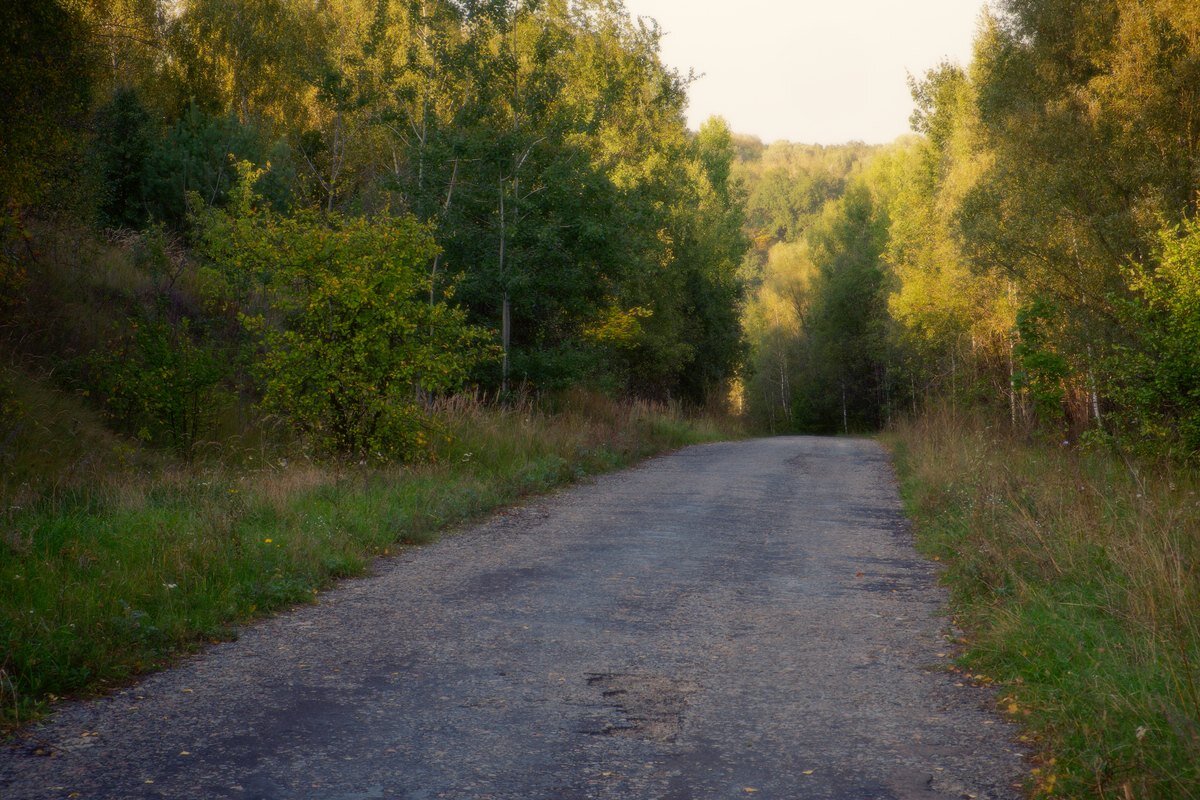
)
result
[(742, 620)]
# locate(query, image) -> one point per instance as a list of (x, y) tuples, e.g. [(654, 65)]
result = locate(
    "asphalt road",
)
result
[(731, 621)]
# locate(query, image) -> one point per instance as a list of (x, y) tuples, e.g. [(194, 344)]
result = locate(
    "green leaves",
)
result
[(160, 383), (1158, 381), (350, 340)]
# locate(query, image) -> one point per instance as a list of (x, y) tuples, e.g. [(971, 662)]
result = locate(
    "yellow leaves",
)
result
[(617, 327), (1010, 706), (1045, 779)]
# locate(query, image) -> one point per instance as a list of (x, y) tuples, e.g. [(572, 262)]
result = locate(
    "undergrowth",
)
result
[(117, 571), (1077, 577)]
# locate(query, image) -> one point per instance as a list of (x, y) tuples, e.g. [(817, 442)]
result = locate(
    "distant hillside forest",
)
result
[(333, 211), (1034, 249)]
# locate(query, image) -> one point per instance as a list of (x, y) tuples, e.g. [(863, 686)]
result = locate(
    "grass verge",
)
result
[(1077, 577), (112, 577)]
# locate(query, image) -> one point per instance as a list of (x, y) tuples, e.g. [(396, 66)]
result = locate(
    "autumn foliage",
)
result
[(347, 331)]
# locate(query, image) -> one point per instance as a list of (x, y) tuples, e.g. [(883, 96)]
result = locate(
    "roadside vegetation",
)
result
[(260, 261), (122, 569), (1013, 294), (1074, 576)]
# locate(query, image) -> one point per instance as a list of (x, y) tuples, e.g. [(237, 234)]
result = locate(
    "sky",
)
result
[(820, 71)]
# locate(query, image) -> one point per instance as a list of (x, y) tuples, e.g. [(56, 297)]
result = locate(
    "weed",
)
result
[(127, 569), (1076, 574)]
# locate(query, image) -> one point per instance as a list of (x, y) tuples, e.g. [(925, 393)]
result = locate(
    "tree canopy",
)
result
[(1030, 249), (542, 143)]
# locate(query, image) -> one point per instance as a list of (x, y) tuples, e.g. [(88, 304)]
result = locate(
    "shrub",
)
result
[(159, 383), (350, 339), (1159, 381), (1041, 369)]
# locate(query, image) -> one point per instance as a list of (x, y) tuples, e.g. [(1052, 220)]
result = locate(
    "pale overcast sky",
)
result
[(824, 71)]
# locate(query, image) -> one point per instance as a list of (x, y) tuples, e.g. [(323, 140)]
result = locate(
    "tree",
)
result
[(46, 75), (126, 136)]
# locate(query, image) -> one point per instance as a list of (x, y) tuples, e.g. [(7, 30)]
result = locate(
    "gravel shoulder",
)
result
[(736, 620)]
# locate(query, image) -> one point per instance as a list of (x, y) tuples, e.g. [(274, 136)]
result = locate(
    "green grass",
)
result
[(115, 575), (1077, 578)]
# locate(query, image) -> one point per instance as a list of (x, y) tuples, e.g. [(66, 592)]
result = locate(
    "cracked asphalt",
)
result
[(735, 620)]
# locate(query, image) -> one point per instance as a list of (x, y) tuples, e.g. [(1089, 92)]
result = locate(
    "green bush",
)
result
[(159, 383), (350, 339), (1040, 368), (1158, 381)]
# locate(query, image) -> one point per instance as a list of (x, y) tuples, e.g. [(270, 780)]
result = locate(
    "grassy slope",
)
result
[(112, 575), (1077, 578)]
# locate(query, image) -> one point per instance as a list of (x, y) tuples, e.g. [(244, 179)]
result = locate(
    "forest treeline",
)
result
[(1034, 249), (336, 210)]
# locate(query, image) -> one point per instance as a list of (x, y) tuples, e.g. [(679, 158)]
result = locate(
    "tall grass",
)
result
[(1077, 576), (115, 575)]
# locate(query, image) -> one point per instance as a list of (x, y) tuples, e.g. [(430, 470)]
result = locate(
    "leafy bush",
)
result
[(159, 383), (1159, 382), (1041, 369), (349, 335)]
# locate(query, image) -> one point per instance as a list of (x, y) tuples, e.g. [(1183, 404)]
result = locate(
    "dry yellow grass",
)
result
[(1078, 575)]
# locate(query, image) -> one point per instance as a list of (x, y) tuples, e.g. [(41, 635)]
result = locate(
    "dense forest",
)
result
[(1034, 249), (541, 217), (332, 212)]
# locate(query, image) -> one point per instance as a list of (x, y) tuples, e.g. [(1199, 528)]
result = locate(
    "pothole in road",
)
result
[(647, 706)]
